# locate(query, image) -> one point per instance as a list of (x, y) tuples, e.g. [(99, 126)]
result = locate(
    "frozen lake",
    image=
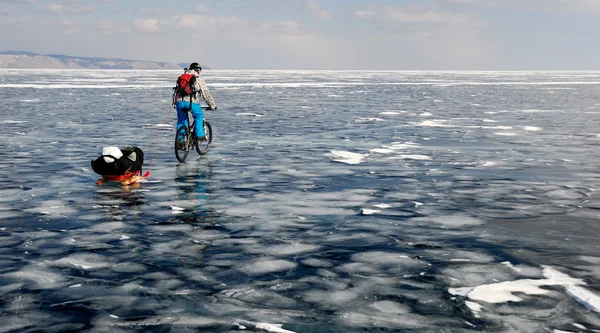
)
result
[(331, 201)]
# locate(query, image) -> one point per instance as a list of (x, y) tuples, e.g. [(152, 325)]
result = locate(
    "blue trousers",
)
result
[(197, 113)]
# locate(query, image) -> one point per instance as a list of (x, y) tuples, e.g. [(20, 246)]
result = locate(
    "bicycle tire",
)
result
[(182, 144), (202, 147)]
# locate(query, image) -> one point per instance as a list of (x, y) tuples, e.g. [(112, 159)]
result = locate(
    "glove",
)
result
[(214, 108)]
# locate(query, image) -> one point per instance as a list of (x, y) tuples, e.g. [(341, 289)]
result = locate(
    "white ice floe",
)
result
[(412, 157), (382, 206), (475, 307), (505, 133), (510, 265), (177, 210), (157, 125), (395, 146), (585, 297), (249, 114), (434, 123), (272, 328), (403, 145), (388, 113), (367, 211), (503, 292), (533, 110), (366, 120), (381, 151), (347, 157), (246, 325), (499, 127), (532, 128)]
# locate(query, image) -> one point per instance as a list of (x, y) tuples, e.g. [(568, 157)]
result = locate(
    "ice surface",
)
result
[(480, 183), (347, 157), (451, 221), (83, 261), (267, 266)]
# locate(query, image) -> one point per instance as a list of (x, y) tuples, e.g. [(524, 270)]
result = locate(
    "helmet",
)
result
[(195, 66)]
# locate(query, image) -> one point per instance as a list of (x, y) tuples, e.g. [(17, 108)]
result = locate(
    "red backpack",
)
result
[(185, 85)]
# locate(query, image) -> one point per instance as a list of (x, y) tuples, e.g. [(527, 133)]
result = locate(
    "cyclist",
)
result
[(183, 102)]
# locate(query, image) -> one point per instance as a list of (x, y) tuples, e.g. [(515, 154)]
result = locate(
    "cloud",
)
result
[(154, 11), (477, 3), (454, 34), (195, 24), (365, 14), (187, 21), (17, 1), (434, 15), (67, 8), (430, 16), (146, 25), (573, 6), (583, 6), (438, 36), (315, 9), (282, 27)]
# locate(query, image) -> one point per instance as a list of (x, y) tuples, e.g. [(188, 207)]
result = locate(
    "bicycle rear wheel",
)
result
[(202, 147), (182, 144)]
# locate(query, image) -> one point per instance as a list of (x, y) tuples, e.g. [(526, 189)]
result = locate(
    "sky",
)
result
[(314, 34)]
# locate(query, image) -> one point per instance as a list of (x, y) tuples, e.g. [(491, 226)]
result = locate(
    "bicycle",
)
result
[(185, 138)]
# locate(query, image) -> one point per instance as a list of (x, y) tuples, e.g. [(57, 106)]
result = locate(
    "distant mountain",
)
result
[(23, 59)]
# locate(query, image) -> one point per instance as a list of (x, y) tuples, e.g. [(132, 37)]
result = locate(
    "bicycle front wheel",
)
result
[(182, 144), (202, 147)]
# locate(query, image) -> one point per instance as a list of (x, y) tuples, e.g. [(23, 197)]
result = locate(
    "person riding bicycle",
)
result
[(182, 101)]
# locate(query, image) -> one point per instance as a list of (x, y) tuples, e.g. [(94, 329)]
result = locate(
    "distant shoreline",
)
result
[(29, 60)]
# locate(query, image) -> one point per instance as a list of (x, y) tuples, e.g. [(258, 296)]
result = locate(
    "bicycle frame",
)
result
[(182, 147)]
